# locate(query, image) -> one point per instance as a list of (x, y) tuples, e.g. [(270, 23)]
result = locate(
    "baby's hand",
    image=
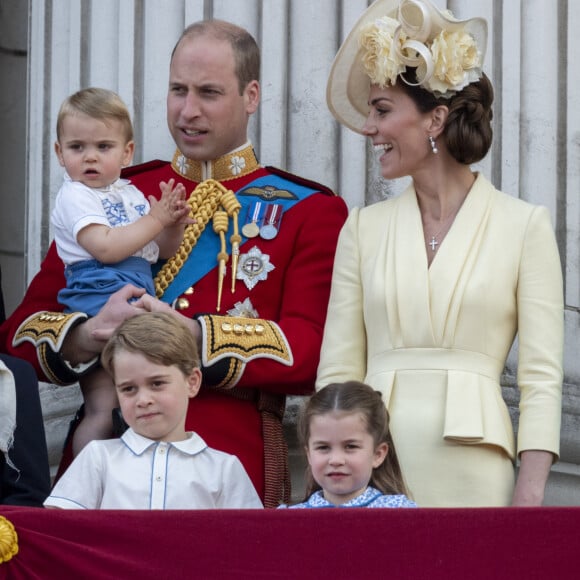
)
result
[(171, 208)]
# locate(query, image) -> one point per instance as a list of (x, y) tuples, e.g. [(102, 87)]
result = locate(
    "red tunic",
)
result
[(294, 295)]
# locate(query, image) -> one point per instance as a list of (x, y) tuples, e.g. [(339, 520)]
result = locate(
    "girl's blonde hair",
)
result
[(159, 336), (356, 397)]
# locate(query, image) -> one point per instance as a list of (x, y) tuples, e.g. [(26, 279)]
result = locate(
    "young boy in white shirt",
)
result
[(156, 464)]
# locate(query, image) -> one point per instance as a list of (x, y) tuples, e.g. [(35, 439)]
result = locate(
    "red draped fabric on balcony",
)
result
[(466, 544)]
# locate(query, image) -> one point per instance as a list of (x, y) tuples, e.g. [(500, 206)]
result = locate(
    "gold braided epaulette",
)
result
[(47, 327), (244, 339)]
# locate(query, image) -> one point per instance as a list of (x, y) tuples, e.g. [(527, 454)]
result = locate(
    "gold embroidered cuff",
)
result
[(244, 339), (229, 342), (49, 327), (225, 374), (47, 331)]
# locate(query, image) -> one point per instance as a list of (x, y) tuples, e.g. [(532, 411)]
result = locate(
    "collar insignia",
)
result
[(238, 163)]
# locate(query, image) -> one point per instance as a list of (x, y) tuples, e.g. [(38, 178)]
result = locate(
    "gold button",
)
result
[(260, 329), (249, 329), (189, 291), (226, 327), (238, 329), (182, 303)]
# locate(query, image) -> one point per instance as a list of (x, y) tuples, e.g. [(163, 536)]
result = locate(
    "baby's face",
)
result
[(93, 151)]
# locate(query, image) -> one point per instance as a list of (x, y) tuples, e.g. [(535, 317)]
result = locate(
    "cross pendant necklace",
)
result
[(434, 243), (444, 226)]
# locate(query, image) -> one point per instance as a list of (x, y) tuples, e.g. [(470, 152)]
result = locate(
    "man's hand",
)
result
[(86, 340), (150, 304), (121, 305)]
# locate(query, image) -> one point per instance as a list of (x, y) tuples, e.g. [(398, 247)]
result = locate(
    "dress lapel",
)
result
[(407, 281), (451, 269)]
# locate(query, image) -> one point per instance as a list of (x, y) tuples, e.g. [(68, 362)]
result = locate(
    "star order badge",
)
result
[(244, 309), (254, 267)]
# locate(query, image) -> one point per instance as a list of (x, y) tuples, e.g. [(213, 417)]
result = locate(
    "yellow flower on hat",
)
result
[(380, 59), (446, 58), (456, 62), (410, 39)]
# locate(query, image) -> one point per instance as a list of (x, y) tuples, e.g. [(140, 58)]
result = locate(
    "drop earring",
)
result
[(433, 144)]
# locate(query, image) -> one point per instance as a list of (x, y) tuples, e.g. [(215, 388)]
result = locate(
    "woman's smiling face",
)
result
[(398, 131)]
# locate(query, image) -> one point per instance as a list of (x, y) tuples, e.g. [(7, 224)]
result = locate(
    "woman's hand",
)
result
[(532, 477)]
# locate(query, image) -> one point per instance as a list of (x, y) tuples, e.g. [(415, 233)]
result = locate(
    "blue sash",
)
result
[(208, 245)]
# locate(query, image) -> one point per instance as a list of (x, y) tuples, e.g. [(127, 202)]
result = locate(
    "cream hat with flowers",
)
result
[(392, 35)]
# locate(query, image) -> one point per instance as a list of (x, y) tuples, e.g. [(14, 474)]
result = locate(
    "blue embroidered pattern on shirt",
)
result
[(116, 213), (141, 209)]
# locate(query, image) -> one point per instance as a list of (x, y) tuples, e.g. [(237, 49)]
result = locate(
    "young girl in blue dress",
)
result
[(352, 461)]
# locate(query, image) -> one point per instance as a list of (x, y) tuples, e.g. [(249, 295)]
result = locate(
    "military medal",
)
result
[(272, 219), (251, 228)]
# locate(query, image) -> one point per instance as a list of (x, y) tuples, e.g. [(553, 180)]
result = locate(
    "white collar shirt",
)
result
[(134, 472)]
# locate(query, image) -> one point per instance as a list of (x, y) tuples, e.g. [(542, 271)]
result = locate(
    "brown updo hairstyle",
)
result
[(468, 133), (355, 397)]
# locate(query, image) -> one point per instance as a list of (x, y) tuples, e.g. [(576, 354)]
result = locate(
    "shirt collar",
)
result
[(138, 444), (237, 163), (367, 496)]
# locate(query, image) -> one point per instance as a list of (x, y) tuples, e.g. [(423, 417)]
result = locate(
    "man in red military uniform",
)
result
[(252, 276)]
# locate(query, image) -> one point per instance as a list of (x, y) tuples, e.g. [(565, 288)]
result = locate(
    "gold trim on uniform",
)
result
[(45, 355), (235, 371), (235, 164), (47, 327), (243, 339)]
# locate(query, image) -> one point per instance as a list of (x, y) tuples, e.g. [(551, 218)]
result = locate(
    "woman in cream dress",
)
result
[(431, 288)]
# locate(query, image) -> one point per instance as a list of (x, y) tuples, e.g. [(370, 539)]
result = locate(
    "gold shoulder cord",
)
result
[(210, 199)]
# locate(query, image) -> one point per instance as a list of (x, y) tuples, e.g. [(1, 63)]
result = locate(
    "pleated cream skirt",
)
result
[(442, 473)]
